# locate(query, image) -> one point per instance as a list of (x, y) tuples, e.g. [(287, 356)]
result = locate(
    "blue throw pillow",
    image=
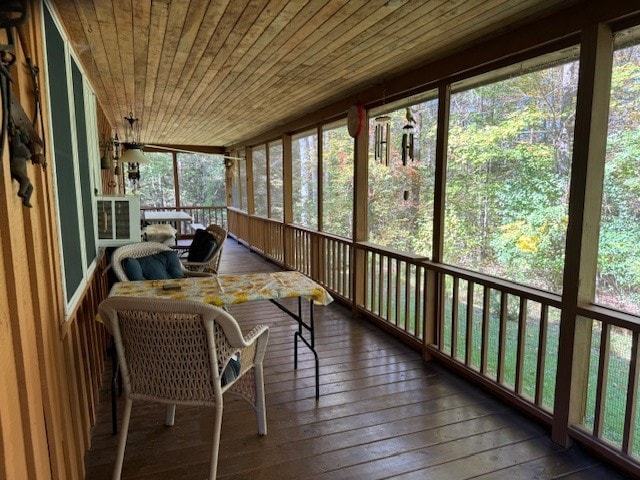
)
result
[(174, 267), (159, 266), (231, 371), (132, 268)]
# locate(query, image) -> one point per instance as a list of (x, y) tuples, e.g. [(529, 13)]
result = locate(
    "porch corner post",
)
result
[(358, 262), (585, 203), (433, 283), (251, 207), (287, 197)]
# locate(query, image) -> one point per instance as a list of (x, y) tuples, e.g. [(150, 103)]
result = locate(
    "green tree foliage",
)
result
[(508, 176), (156, 187), (260, 193), (401, 196), (337, 182), (618, 281), (200, 176), (276, 182), (305, 180), (202, 179)]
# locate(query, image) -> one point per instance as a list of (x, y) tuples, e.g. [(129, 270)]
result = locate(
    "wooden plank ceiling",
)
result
[(199, 72)]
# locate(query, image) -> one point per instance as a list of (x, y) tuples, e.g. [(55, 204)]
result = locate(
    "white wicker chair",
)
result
[(175, 351), (212, 263), (142, 249)]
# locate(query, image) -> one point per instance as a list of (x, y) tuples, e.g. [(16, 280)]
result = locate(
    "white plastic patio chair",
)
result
[(175, 352)]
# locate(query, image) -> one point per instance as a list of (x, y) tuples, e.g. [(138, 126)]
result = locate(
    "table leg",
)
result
[(299, 334)]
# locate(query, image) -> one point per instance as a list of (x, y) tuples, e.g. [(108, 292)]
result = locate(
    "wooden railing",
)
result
[(503, 335), (267, 236), (503, 332), (334, 264), (393, 287), (610, 421)]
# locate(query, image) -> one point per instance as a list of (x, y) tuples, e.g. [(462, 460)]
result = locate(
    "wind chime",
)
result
[(407, 137), (382, 144), (408, 143)]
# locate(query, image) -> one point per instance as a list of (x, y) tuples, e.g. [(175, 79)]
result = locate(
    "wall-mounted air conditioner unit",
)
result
[(118, 220)]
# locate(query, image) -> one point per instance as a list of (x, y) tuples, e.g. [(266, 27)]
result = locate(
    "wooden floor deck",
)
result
[(383, 413)]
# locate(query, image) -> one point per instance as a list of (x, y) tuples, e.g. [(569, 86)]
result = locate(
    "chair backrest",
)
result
[(220, 234), (134, 250), (206, 249), (171, 350), (203, 247)]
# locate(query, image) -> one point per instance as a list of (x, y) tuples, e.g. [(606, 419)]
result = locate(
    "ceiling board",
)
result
[(203, 72)]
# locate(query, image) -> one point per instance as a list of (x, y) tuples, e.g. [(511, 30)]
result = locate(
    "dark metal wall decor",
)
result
[(24, 142), (25, 145)]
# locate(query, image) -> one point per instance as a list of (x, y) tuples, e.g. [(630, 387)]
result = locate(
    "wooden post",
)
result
[(251, 234), (433, 283), (585, 200), (267, 161), (317, 254), (249, 172), (287, 197), (176, 179), (360, 214)]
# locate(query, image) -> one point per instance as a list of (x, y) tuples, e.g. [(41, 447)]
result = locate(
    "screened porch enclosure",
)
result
[(472, 249)]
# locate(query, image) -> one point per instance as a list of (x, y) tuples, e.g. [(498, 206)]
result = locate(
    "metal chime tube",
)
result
[(387, 145)]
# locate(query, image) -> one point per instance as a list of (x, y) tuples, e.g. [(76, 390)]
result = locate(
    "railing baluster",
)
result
[(486, 309), (454, 317), (522, 337), (542, 354), (502, 336), (390, 282), (468, 354), (632, 390), (380, 284), (419, 274), (603, 372), (407, 296)]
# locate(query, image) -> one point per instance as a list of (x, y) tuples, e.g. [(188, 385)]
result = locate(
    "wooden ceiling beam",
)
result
[(190, 148)]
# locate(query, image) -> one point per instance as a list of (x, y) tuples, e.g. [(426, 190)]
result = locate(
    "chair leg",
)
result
[(217, 427), (261, 409), (122, 442), (114, 391), (171, 415)]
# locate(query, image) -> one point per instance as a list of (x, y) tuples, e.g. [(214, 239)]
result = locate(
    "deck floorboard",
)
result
[(382, 413)]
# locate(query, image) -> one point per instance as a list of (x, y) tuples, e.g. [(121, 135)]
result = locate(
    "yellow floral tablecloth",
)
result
[(222, 290)]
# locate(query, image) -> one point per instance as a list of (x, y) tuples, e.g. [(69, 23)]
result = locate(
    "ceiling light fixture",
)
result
[(133, 148)]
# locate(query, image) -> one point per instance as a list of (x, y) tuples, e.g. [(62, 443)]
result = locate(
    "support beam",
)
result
[(360, 213), (585, 201), (287, 197)]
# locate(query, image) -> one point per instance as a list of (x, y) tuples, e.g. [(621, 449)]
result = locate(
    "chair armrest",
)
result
[(259, 335), (255, 333), (193, 264)]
